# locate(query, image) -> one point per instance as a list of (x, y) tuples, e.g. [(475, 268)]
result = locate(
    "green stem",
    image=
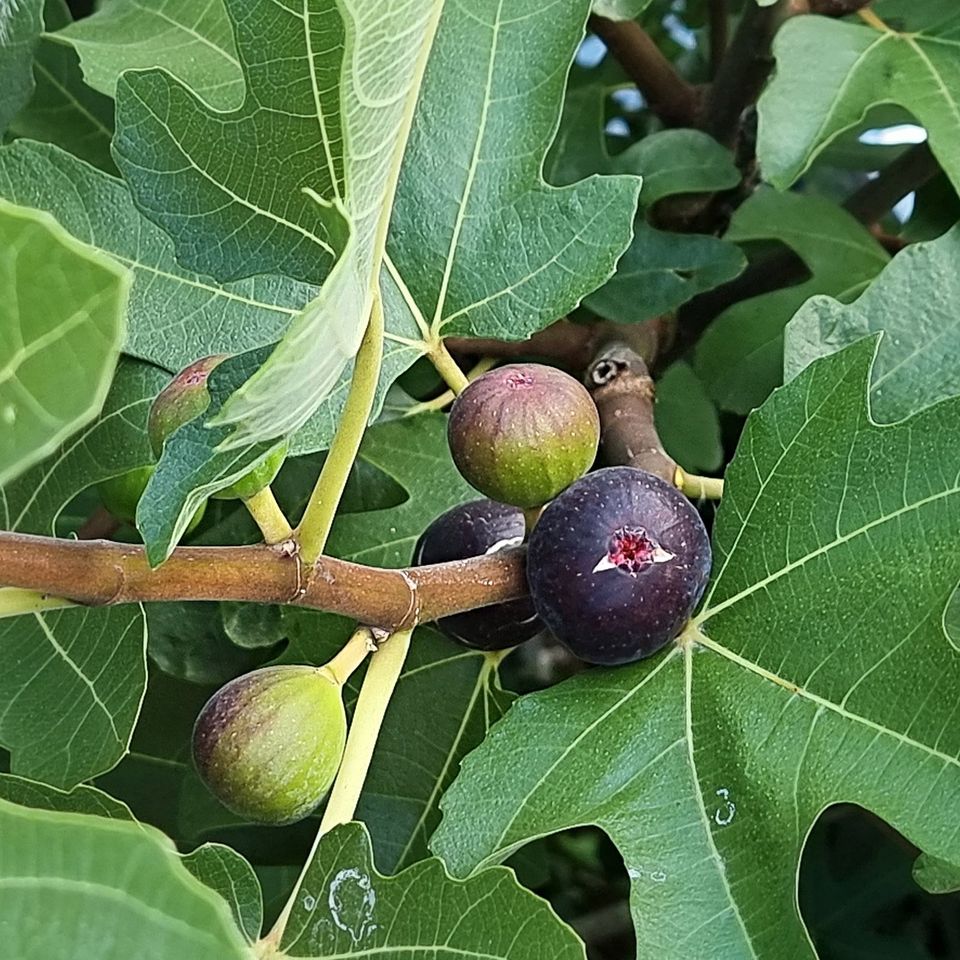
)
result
[(384, 671), (530, 517), (448, 396), (266, 512), (317, 519), (697, 487), (447, 367), (354, 652), (14, 602)]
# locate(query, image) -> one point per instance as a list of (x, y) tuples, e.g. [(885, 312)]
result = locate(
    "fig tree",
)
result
[(472, 530), (617, 564), (186, 397), (523, 433), (268, 744)]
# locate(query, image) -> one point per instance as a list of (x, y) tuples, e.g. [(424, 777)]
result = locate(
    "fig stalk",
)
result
[(317, 520), (384, 671), (268, 516)]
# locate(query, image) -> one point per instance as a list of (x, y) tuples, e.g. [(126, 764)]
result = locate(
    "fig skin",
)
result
[(269, 743), (186, 397), (472, 530), (121, 494), (617, 564), (524, 432)]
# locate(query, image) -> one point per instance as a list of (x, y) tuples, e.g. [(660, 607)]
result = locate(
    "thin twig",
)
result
[(719, 27), (743, 71), (877, 197), (671, 97)]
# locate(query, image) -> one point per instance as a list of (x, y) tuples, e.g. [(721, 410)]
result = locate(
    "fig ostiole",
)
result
[(269, 743), (617, 564), (472, 530), (185, 398), (523, 433)]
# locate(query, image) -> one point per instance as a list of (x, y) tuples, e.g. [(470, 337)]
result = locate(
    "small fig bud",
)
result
[(523, 433), (121, 494), (617, 564), (472, 530), (186, 397), (268, 744)]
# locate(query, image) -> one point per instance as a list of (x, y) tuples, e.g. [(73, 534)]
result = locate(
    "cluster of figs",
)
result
[(617, 560)]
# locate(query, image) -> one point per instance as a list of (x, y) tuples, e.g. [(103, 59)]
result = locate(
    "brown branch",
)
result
[(623, 391), (877, 197), (572, 346), (675, 101), (100, 573), (743, 72), (719, 27), (837, 8)]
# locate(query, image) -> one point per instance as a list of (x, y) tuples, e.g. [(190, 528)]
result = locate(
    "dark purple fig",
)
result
[(522, 433), (269, 743), (617, 564), (183, 399), (472, 530)]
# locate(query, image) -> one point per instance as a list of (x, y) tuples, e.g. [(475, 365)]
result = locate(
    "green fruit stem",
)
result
[(317, 519), (354, 652), (14, 602), (697, 487), (448, 396), (384, 671), (268, 516), (447, 367)]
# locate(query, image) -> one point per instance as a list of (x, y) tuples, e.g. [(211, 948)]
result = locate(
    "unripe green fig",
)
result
[(121, 494), (186, 397), (523, 433), (269, 743)]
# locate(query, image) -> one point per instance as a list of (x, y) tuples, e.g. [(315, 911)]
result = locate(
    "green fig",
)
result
[(523, 433), (186, 397), (269, 743), (121, 494)]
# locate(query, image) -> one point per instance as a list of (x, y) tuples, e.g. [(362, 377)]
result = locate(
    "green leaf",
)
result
[(175, 316), (63, 312), (661, 271), (63, 109), (935, 875), (21, 23), (195, 45), (345, 908), (672, 162), (740, 357), (81, 799), (916, 303), (620, 9), (326, 86), (72, 683), (73, 679), (484, 246), (687, 421), (224, 870), (804, 109), (708, 765), (94, 889)]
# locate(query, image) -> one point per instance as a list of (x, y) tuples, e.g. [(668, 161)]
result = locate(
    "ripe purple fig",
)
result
[(269, 743), (186, 397), (523, 433), (472, 530), (617, 564)]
